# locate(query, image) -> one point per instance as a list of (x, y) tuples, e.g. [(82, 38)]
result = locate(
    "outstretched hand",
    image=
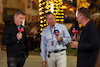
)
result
[(74, 44)]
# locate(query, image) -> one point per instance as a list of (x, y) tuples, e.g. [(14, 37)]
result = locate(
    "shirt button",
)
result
[(17, 41), (21, 51)]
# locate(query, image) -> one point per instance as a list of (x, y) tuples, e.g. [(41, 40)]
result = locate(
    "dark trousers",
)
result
[(16, 62)]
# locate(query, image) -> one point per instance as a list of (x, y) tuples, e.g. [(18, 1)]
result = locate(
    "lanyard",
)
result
[(52, 35)]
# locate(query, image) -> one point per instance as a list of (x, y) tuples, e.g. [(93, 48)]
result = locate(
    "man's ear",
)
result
[(14, 17), (82, 16)]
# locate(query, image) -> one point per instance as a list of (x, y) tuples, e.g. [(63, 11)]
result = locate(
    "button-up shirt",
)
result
[(48, 37)]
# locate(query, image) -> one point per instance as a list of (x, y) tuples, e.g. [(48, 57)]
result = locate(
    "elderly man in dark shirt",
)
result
[(15, 41)]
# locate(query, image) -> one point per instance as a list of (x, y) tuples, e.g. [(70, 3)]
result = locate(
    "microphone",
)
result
[(56, 32), (21, 29), (75, 31)]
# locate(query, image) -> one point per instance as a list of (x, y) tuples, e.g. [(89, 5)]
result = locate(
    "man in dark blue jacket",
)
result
[(88, 47), (15, 41)]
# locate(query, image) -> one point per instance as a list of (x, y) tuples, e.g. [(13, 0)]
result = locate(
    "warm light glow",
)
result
[(41, 25), (80, 25), (52, 1), (62, 19), (40, 33), (57, 19), (64, 7), (62, 16), (45, 24), (46, 11), (82, 3), (44, 20), (43, 3), (71, 9), (40, 8), (40, 5), (52, 8), (41, 21), (40, 0), (40, 13), (41, 17), (41, 29)]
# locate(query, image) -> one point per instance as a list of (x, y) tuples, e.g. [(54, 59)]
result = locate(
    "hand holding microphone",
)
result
[(74, 43), (19, 34), (74, 31), (56, 32), (58, 38)]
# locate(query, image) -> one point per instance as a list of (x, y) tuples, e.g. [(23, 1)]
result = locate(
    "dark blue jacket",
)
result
[(88, 47)]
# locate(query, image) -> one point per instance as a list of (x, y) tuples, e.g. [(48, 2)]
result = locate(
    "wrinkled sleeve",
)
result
[(66, 36), (43, 47)]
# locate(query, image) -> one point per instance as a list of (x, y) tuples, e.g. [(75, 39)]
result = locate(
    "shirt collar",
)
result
[(14, 24), (88, 23), (53, 26)]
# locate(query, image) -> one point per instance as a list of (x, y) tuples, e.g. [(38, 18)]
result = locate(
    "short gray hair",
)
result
[(85, 12), (19, 12)]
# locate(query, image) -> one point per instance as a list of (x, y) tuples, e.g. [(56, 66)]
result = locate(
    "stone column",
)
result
[(1, 11), (28, 10)]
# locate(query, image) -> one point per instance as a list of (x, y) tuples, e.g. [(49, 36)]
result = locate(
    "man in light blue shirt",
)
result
[(54, 39)]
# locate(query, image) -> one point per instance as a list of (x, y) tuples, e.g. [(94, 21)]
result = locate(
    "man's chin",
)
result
[(20, 23)]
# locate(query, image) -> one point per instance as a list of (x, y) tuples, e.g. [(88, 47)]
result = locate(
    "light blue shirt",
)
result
[(48, 37)]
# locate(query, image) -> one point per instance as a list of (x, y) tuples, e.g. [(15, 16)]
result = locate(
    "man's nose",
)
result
[(51, 19)]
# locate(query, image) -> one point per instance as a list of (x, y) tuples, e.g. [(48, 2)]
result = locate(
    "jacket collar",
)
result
[(15, 24), (87, 25)]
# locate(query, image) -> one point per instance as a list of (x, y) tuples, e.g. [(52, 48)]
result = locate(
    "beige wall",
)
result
[(14, 4), (70, 14), (11, 6), (35, 12), (28, 11)]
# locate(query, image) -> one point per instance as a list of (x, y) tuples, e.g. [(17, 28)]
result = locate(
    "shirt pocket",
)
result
[(48, 37)]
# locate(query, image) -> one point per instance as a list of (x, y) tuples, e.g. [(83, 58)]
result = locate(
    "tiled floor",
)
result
[(35, 61)]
